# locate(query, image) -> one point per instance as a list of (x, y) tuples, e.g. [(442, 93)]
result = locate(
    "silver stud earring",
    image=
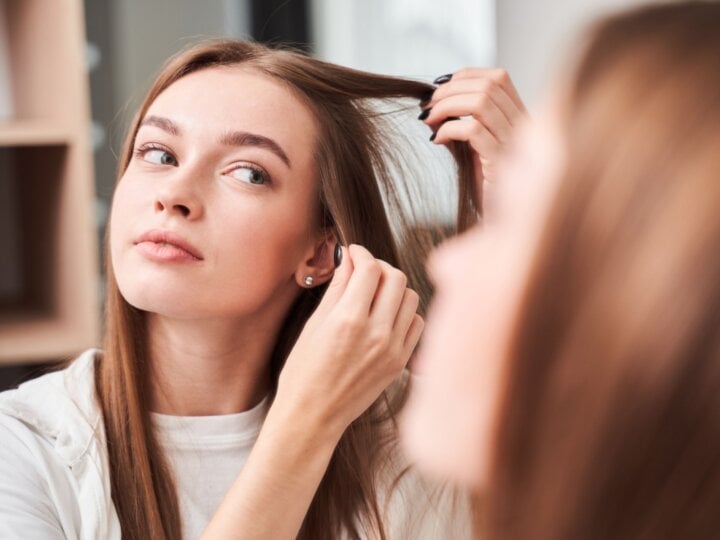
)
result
[(309, 280)]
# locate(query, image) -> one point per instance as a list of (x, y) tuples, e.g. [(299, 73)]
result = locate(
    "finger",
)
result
[(338, 283), (405, 315), (478, 105), (389, 295), (412, 337), (480, 85), (363, 283), (498, 75), (471, 131)]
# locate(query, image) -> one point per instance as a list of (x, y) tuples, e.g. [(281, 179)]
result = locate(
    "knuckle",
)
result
[(477, 129), (370, 265), (462, 73), (349, 324), (373, 263), (380, 340), (501, 76), (487, 86), (355, 250), (374, 269), (398, 277), (481, 101), (385, 266), (360, 254)]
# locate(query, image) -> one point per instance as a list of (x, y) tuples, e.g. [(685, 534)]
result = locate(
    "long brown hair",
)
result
[(364, 200), (610, 422)]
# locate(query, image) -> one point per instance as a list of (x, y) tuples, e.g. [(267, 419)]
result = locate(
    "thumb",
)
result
[(339, 282)]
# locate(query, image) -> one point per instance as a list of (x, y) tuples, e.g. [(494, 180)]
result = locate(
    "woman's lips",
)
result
[(166, 246)]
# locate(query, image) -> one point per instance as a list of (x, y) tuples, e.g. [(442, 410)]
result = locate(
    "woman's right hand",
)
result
[(481, 107), (356, 343)]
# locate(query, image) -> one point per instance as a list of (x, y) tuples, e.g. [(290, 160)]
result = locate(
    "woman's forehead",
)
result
[(234, 93), (216, 100)]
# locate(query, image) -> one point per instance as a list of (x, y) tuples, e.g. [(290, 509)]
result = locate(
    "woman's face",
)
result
[(217, 208), (479, 278)]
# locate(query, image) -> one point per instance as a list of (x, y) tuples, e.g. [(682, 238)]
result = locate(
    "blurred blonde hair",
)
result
[(610, 422)]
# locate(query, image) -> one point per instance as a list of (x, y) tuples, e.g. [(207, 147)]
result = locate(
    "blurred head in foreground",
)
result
[(571, 366)]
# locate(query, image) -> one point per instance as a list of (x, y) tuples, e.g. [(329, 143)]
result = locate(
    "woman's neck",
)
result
[(208, 367)]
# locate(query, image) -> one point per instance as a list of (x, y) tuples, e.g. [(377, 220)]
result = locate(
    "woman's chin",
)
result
[(437, 438), (162, 303)]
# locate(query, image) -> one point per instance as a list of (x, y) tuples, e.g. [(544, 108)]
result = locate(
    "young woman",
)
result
[(244, 170), (584, 363)]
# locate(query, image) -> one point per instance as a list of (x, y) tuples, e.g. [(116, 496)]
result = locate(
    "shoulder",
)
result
[(57, 412), (41, 440), (22, 450), (30, 473), (53, 458), (59, 402)]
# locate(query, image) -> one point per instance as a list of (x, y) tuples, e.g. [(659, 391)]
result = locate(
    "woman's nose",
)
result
[(178, 196)]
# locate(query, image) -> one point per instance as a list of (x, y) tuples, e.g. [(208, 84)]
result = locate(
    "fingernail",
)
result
[(423, 115), (338, 255), (451, 118), (426, 97), (432, 137), (442, 79)]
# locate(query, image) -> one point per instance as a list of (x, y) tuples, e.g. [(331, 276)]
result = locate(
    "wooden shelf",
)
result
[(49, 278), (32, 133), (33, 337)]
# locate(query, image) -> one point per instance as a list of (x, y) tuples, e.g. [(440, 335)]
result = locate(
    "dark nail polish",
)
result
[(432, 137), (442, 79), (423, 115), (338, 255), (451, 118)]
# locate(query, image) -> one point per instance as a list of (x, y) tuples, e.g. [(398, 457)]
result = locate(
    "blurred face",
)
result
[(479, 278), (216, 210)]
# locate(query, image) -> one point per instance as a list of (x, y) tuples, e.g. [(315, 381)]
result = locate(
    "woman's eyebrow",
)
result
[(163, 123), (232, 138), (243, 138)]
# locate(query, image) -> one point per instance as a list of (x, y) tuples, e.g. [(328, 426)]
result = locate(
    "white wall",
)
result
[(413, 38), (147, 33), (537, 38)]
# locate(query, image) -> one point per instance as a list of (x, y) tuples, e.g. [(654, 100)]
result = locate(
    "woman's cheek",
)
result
[(449, 410)]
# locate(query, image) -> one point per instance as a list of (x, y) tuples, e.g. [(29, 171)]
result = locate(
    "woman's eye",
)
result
[(159, 157), (250, 175)]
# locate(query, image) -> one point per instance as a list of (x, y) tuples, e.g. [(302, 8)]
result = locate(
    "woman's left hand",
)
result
[(479, 106)]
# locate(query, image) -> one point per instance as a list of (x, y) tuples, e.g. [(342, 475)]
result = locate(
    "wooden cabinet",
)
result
[(49, 286)]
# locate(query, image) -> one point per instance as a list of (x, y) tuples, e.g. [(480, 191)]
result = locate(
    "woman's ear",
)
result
[(318, 266)]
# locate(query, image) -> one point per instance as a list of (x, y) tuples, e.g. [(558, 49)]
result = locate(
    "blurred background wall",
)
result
[(536, 38)]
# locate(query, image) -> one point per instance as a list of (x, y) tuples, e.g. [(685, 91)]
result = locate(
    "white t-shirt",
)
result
[(206, 454), (55, 481)]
